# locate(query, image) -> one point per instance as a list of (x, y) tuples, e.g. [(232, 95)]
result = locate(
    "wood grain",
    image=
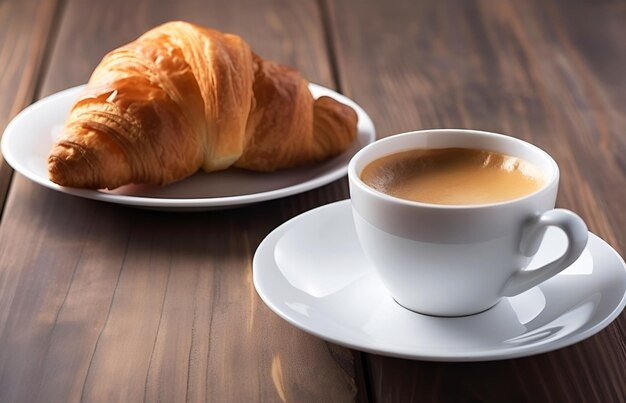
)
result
[(101, 302), (25, 32), (551, 73)]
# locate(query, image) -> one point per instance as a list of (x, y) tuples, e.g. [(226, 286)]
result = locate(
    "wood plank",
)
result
[(552, 74), (101, 302), (25, 31)]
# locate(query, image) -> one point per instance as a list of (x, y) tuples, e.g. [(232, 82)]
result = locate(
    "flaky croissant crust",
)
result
[(182, 98)]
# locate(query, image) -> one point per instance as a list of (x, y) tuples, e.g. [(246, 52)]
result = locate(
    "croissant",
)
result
[(182, 98)]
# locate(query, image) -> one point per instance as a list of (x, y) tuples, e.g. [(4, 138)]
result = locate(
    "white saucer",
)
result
[(29, 137), (312, 272)]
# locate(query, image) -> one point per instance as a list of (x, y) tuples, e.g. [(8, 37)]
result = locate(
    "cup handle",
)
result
[(532, 235)]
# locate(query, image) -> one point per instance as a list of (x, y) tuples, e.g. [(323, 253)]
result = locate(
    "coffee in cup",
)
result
[(455, 176), (460, 254)]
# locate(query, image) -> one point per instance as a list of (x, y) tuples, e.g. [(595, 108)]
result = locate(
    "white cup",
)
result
[(460, 260)]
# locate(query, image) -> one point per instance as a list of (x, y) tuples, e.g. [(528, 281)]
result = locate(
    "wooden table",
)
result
[(101, 302)]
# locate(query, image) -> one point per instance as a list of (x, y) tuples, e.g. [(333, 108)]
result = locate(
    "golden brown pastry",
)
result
[(183, 97)]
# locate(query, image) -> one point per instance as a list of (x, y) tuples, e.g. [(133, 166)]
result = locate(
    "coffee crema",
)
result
[(453, 176)]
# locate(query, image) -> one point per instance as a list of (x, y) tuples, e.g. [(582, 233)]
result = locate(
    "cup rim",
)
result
[(355, 178)]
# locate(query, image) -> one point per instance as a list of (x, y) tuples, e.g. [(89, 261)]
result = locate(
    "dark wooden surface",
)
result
[(26, 27), (101, 302)]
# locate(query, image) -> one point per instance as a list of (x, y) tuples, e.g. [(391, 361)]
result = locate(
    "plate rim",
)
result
[(272, 238), (178, 203)]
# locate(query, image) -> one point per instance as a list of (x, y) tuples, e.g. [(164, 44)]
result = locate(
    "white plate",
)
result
[(312, 272), (29, 137)]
